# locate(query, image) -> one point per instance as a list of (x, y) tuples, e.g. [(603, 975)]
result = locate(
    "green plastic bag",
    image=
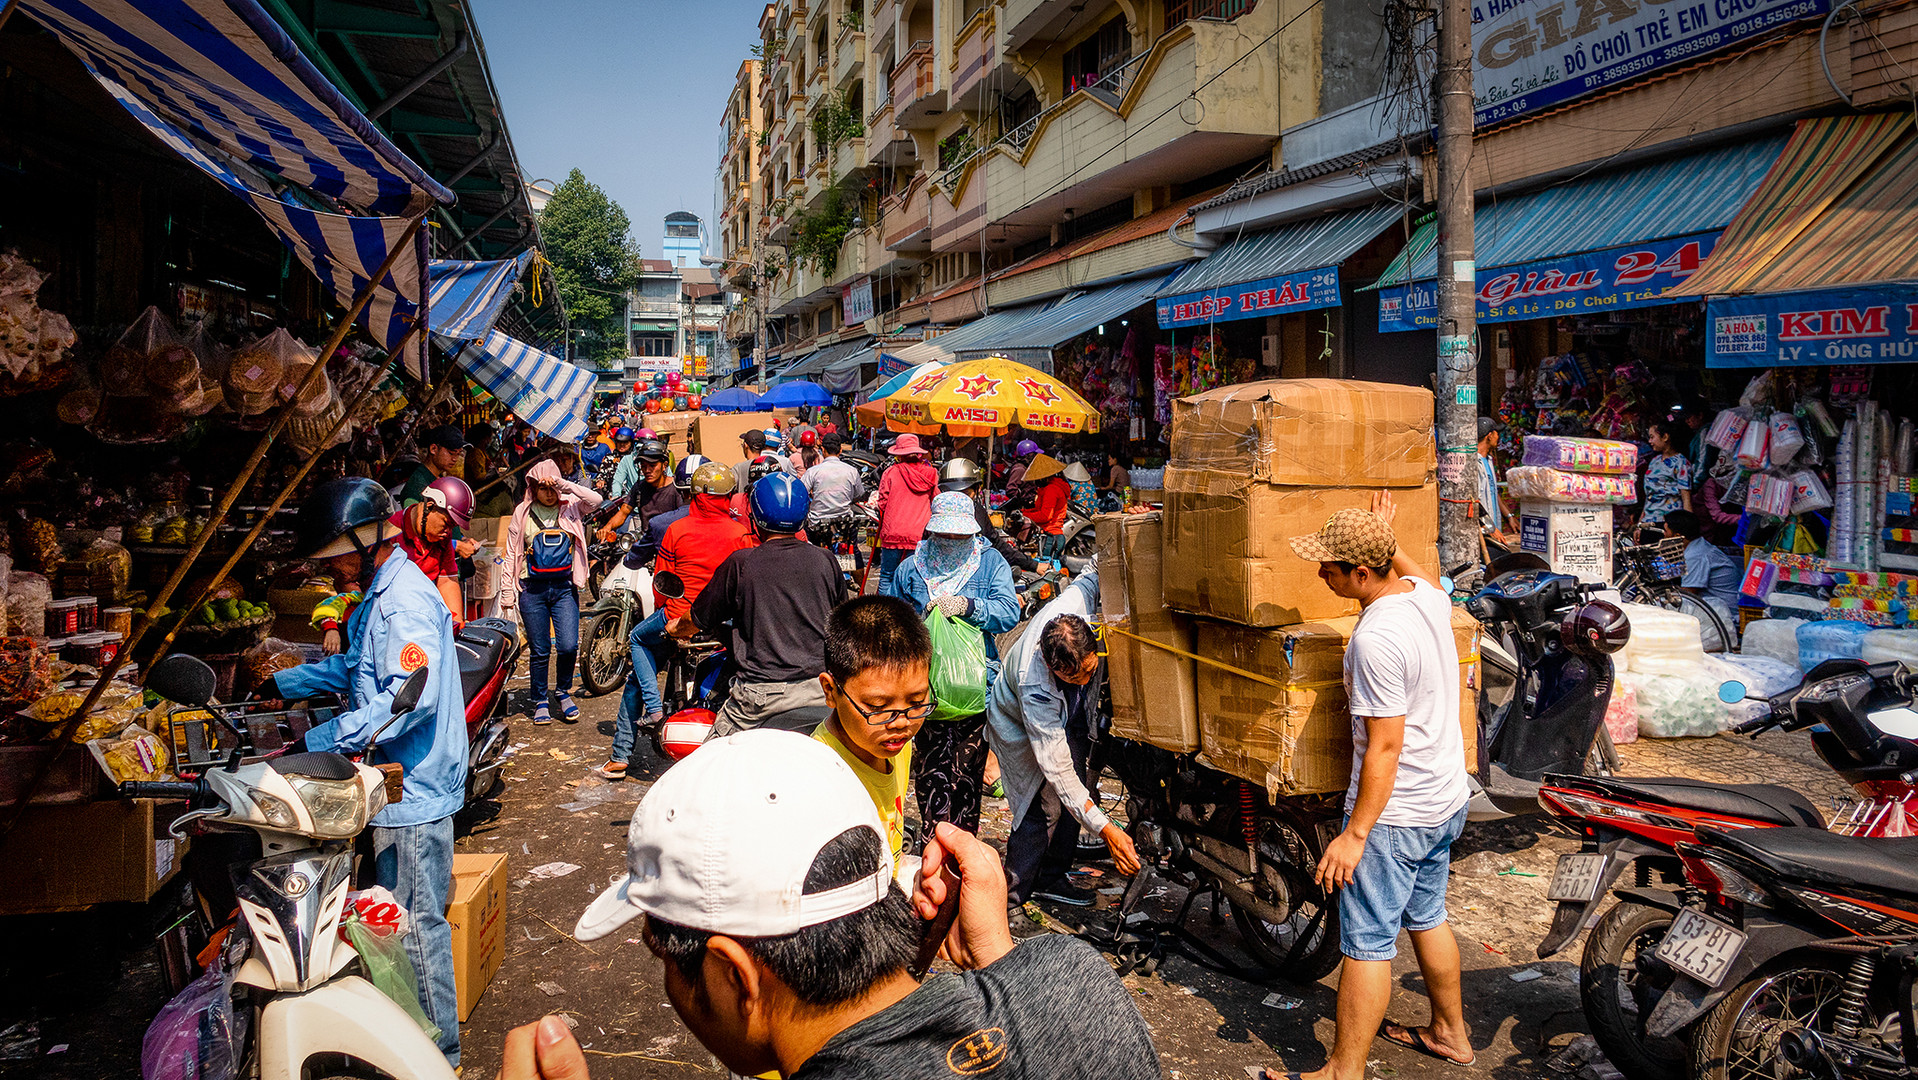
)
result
[(388, 967), (958, 667)]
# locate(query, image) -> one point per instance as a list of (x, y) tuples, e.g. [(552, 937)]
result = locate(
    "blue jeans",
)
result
[(415, 863), (642, 684), (889, 560), (1398, 884), (549, 609)]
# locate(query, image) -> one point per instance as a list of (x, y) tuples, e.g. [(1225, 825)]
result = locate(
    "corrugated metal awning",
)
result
[(1839, 207), (1068, 318), (946, 345), (1692, 193), (1326, 240)]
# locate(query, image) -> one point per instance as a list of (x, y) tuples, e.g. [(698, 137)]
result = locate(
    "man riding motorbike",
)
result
[(651, 492)]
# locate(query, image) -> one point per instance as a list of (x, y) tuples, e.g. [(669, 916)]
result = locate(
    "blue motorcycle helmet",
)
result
[(780, 503)]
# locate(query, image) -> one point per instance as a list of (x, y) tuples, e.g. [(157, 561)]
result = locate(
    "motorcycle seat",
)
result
[(480, 649), (316, 765), (1878, 864), (802, 721), (1754, 802)]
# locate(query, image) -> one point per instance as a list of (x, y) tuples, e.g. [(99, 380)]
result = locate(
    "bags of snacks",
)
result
[(27, 598), (269, 658), (257, 369), (135, 754), (33, 342)]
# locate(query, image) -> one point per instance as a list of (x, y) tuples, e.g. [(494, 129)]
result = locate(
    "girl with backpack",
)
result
[(546, 555)]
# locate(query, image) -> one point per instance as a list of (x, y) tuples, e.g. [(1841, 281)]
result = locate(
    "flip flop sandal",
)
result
[(1413, 1039), (612, 771), (567, 708), (542, 716)]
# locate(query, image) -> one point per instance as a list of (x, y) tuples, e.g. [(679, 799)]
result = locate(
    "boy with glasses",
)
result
[(877, 678)]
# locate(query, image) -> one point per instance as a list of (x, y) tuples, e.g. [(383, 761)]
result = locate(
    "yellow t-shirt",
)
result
[(887, 789)]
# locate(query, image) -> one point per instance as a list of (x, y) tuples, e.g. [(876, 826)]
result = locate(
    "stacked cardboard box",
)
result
[(1154, 691)]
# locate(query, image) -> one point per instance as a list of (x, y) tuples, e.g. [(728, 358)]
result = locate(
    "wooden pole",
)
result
[(64, 737), (426, 403)]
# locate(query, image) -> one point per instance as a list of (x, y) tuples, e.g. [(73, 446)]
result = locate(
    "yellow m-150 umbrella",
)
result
[(987, 396)]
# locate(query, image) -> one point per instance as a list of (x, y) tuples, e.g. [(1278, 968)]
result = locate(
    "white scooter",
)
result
[(625, 599), (310, 1011)]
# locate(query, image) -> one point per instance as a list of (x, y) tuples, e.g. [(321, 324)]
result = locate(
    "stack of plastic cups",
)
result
[(1844, 500)]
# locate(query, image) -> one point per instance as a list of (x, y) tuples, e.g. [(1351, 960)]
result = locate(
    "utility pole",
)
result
[(1457, 290)]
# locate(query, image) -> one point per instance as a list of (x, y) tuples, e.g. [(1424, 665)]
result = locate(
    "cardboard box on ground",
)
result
[(477, 914), (1254, 465)]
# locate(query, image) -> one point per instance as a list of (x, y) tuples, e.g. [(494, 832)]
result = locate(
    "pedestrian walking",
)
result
[(1406, 802), (877, 679), (546, 555), (956, 571), (904, 503)]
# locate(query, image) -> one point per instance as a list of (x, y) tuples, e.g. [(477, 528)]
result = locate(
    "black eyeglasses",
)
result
[(892, 716)]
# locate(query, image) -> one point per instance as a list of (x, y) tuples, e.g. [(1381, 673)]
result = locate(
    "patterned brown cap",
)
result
[(1355, 536)]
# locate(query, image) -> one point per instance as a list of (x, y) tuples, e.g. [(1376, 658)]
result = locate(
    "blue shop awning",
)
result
[(1070, 317), (467, 297), (1294, 267)]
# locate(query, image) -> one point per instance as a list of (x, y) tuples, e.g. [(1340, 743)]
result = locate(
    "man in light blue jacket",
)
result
[(1038, 722), (400, 626)]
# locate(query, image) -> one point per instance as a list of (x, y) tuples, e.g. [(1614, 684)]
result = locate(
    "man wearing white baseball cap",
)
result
[(760, 865)]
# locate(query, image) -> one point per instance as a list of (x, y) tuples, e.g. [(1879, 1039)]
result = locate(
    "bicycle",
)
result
[(1649, 574)]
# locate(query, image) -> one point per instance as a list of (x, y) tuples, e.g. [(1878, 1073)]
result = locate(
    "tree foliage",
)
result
[(595, 261)]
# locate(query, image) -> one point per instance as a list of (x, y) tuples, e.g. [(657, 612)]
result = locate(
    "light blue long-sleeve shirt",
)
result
[(400, 625), (995, 600), (625, 475), (1026, 716)]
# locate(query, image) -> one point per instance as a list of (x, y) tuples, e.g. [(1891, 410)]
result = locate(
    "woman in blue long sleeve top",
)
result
[(955, 570)]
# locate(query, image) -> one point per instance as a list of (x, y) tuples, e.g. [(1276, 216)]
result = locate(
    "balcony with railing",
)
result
[(958, 205), (916, 89), (905, 218), (973, 50), (1179, 11), (1024, 20), (848, 59), (880, 132), (848, 156)]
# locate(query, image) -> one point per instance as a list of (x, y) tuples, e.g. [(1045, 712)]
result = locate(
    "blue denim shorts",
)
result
[(1399, 884)]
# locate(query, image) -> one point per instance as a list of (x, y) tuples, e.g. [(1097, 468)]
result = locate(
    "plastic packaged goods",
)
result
[(1808, 492), (1882, 645), (1763, 676), (1543, 482), (1776, 639), (1786, 438), (1769, 495), (28, 595), (1677, 706), (1754, 447), (1728, 427), (1661, 641), (198, 1035), (1580, 455), (1904, 449), (1820, 418), (1829, 639), (1621, 714)]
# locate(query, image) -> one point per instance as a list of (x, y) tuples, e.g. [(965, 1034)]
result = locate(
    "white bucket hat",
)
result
[(723, 842), (952, 514)]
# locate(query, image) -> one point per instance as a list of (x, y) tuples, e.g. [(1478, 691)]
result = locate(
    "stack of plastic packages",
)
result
[(1842, 540), (1667, 673), (1575, 470)]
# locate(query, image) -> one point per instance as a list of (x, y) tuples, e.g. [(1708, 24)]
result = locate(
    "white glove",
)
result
[(954, 606)]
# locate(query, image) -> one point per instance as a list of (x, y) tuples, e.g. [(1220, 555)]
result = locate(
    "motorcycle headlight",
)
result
[(274, 809), (338, 807)]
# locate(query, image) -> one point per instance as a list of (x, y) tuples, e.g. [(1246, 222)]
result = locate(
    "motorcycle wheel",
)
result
[(1738, 1038), (605, 655), (1618, 994), (1304, 948)]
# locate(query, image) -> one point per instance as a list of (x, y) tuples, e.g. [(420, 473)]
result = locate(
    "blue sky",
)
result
[(628, 91)]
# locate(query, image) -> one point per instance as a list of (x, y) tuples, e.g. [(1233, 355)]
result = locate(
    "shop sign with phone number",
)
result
[(1609, 280)]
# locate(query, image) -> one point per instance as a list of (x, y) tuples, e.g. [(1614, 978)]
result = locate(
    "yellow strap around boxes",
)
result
[(1105, 628)]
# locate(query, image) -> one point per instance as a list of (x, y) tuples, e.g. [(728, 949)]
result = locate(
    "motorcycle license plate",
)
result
[(1576, 878), (1701, 947)]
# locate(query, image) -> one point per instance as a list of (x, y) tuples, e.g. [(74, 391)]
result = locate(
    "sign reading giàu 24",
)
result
[(1614, 279), (1533, 53)]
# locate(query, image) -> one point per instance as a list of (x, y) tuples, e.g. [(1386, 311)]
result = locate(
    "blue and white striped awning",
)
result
[(552, 395), (467, 297), (219, 83), (224, 73)]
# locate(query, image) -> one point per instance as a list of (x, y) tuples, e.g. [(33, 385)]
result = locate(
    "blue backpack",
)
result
[(549, 548)]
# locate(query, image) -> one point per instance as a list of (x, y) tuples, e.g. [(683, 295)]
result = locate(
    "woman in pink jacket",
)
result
[(546, 556), (904, 505)]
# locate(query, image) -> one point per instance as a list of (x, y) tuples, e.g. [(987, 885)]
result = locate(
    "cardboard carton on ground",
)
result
[(1227, 551), (1309, 432), (63, 858), (716, 435), (477, 914), (1298, 740), (1154, 691)]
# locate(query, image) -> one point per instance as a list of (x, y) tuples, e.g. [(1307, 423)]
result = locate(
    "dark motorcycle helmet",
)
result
[(343, 515), (650, 450), (683, 472), (780, 503), (1595, 628)]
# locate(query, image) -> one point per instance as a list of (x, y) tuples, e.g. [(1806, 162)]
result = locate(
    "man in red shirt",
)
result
[(426, 536)]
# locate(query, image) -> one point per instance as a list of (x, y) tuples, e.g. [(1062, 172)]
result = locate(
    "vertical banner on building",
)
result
[(1873, 325), (1530, 54), (856, 300)]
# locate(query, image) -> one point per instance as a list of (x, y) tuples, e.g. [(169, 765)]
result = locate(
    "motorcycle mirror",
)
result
[(183, 680), (1731, 691), (408, 697), (668, 584)]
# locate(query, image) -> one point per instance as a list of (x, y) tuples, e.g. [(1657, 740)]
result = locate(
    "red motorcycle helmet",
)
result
[(684, 731), (1595, 628), (452, 493)]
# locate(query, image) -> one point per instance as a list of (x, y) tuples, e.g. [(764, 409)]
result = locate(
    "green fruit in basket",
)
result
[(229, 610)]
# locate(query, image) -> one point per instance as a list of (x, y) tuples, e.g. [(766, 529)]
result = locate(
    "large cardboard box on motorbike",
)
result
[(1228, 554), (1296, 738), (1308, 433), (716, 435), (477, 914), (1154, 691), (675, 428)]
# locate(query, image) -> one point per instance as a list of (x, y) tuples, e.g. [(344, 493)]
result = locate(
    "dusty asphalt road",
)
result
[(1207, 1026)]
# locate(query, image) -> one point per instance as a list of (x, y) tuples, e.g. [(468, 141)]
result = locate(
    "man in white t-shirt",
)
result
[(1407, 801)]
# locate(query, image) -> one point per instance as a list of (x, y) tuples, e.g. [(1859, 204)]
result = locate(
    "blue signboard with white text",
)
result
[(1306, 290), (1610, 280), (1876, 324)]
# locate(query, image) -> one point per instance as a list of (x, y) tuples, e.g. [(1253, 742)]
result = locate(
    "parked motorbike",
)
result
[(625, 600), (310, 1010), (1543, 715), (1776, 952), (488, 651)]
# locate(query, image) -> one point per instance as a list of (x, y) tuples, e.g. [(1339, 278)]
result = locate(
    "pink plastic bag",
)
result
[(198, 1035), (1621, 714)]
